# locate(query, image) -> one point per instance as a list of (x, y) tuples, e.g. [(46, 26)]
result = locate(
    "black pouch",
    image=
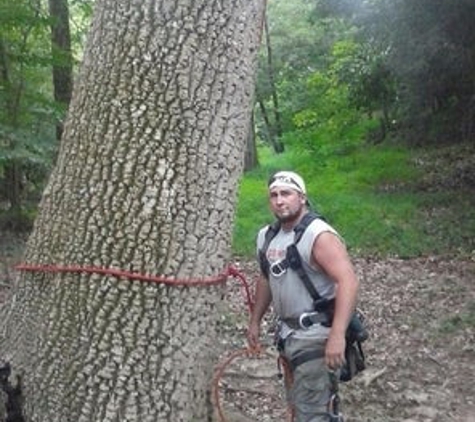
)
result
[(355, 360)]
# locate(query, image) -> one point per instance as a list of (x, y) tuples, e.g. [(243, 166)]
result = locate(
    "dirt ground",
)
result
[(420, 356)]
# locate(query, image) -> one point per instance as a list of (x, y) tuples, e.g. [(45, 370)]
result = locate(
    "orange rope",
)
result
[(159, 279), (219, 372), (230, 271)]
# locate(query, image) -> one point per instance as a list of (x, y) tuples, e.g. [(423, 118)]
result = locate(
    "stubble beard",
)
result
[(290, 218)]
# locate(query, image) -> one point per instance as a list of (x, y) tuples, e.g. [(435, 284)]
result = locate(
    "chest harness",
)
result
[(322, 308)]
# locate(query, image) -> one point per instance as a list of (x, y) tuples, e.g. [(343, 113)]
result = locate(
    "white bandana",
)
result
[(288, 179)]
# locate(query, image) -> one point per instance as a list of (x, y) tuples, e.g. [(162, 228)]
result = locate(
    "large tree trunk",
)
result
[(146, 181)]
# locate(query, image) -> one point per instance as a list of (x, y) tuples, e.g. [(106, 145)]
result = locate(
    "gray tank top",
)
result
[(290, 297)]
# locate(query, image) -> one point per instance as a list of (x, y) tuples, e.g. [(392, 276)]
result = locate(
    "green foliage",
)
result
[(300, 47), (368, 193), (409, 64), (429, 49), (28, 112), (339, 186), (372, 69), (80, 20), (18, 220)]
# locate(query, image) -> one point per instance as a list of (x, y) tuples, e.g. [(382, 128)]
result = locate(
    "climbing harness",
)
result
[(323, 308)]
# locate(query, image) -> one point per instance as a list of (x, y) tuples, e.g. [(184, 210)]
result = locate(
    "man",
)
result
[(319, 349)]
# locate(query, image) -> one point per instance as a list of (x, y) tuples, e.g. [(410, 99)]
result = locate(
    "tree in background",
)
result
[(26, 110), (286, 55), (251, 160), (145, 181), (273, 130), (302, 43), (62, 56), (428, 47), (410, 67)]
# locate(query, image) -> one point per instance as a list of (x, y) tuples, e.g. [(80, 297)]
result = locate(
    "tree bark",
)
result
[(251, 160), (62, 56), (145, 181), (277, 133)]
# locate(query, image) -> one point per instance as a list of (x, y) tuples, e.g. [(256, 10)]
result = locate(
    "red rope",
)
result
[(114, 272), (230, 271), (220, 370)]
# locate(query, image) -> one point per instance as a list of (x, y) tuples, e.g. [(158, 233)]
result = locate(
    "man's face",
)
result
[(287, 204)]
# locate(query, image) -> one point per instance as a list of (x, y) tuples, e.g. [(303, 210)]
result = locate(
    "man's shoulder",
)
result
[(315, 229), (320, 224), (261, 235)]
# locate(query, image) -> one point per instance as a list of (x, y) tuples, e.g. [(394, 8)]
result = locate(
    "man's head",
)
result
[(287, 196)]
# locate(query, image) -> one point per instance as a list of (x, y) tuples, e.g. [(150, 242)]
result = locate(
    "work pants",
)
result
[(309, 392)]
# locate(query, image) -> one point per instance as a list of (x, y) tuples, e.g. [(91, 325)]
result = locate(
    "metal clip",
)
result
[(305, 320), (278, 269), (333, 407)]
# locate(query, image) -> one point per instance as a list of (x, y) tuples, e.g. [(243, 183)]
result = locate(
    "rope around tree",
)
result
[(222, 277)]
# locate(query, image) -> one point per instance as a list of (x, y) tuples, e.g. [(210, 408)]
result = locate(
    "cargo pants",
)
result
[(309, 393)]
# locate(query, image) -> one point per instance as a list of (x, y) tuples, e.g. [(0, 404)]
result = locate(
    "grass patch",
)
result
[(459, 321), (368, 193)]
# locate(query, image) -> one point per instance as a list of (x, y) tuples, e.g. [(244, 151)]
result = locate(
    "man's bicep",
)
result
[(329, 252)]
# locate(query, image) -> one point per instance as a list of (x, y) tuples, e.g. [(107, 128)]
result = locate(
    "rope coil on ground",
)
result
[(221, 367)]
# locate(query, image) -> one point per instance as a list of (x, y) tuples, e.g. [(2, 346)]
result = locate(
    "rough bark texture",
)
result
[(146, 181)]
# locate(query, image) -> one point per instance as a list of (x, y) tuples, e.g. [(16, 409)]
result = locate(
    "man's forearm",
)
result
[(262, 300)]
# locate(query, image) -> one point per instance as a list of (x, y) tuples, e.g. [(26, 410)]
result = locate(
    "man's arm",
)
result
[(330, 254), (262, 301)]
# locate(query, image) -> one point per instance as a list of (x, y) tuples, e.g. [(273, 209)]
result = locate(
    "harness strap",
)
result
[(272, 231), (306, 357), (295, 262)]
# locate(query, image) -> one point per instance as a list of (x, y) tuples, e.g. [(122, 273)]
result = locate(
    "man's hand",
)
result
[(335, 351)]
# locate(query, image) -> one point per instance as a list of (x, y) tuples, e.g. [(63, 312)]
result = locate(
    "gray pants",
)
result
[(310, 391)]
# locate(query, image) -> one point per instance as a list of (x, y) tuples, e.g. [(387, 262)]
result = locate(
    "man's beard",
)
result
[(289, 218)]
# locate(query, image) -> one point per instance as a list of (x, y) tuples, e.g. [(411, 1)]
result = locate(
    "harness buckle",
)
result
[(279, 268), (306, 320)]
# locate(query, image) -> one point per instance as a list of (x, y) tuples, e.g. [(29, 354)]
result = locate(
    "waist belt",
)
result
[(306, 320)]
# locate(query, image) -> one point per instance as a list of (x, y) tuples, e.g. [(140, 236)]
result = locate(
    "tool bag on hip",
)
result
[(356, 334), (354, 356)]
